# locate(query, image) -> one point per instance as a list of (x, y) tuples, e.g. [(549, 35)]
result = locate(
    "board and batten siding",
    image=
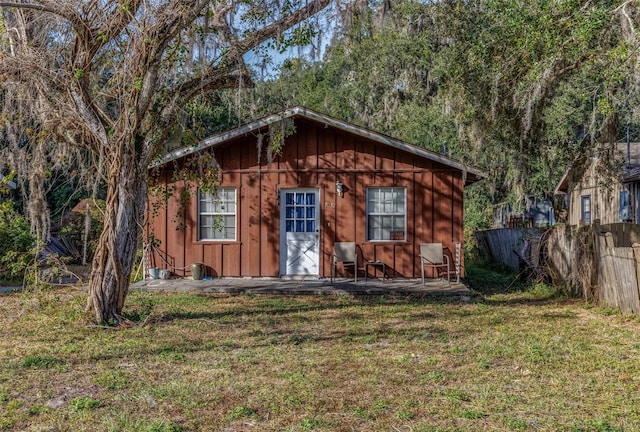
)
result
[(316, 156), (605, 197)]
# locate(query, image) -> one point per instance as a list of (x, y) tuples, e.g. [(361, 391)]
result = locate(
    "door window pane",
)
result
[(311, 199), (300, 211), (290, 198)]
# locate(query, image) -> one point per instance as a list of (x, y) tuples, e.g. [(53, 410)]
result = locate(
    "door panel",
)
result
[(300, 239)]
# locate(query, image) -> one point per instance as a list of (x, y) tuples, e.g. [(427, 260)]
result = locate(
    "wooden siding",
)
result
[(503, 243), (617, 279), (316, 156), (605, 197), (624, 234), (590, 263)]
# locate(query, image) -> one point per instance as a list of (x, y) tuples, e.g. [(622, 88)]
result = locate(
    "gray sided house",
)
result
[(533, 212), (604, 187)]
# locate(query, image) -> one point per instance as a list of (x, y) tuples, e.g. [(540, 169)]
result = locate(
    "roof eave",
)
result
[(563, 185)]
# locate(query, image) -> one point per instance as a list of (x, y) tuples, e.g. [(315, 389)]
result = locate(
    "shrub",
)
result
[(72, 225), (15, 242)]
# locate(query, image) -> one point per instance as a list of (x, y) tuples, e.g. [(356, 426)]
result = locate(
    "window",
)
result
[(625, 206), (386, 213), (217, 215), (585, 209)]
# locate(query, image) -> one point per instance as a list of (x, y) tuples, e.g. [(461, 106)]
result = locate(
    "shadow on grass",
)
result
[(285, 336), (538, 294), (525, 300), (285, 321), (276, 322), (275, 305), (501, 287)]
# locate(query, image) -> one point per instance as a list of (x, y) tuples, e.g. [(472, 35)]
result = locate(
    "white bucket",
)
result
[(154, 273), (164, 274)]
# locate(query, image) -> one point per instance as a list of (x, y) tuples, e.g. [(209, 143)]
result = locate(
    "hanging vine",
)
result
[(199, 171), (276, 137)]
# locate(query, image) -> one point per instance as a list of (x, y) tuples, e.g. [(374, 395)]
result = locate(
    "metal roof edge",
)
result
[(320, 118)]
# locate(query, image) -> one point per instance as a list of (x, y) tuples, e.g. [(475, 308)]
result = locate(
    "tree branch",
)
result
[(32, 6), (265, 33), (52, 7), (114, 25), (207, 79), (162, 35)]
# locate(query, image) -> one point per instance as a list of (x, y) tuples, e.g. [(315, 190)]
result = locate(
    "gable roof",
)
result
[(473, 174), (627, 152)]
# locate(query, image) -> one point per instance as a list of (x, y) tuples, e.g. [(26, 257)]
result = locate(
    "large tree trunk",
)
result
[(115, 254)]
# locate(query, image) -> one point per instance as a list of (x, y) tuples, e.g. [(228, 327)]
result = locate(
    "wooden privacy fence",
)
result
[(618, 274), (569, 259), (509, 245), (599, 262), (624, 234), (591, 262)]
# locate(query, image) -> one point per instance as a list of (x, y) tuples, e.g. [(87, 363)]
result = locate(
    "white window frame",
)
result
[(583, 199), (625, 206), (383, 213), (218, 214)]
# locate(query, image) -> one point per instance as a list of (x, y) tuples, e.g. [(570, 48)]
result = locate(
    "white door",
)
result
[(299, 232)]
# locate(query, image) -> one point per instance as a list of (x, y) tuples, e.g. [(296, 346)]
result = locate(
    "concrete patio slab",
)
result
[(307, 286)]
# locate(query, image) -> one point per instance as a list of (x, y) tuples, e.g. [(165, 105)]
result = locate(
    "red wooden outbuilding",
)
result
[(332, 182)]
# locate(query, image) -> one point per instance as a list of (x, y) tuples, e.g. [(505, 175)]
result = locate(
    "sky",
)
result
[(266, 62)]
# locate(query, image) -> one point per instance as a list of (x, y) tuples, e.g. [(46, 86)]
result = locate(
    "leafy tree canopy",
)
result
[(516, 87)]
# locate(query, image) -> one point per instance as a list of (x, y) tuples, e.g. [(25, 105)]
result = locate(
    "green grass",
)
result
[(84, 403), (40, 361), (529, 360), (491, 278)]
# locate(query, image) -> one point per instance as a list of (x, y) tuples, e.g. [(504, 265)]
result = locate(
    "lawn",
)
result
[(520, 361)]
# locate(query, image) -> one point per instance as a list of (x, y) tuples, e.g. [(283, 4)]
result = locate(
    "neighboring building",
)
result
[(333, 182), (536, 212), (594, 191)]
